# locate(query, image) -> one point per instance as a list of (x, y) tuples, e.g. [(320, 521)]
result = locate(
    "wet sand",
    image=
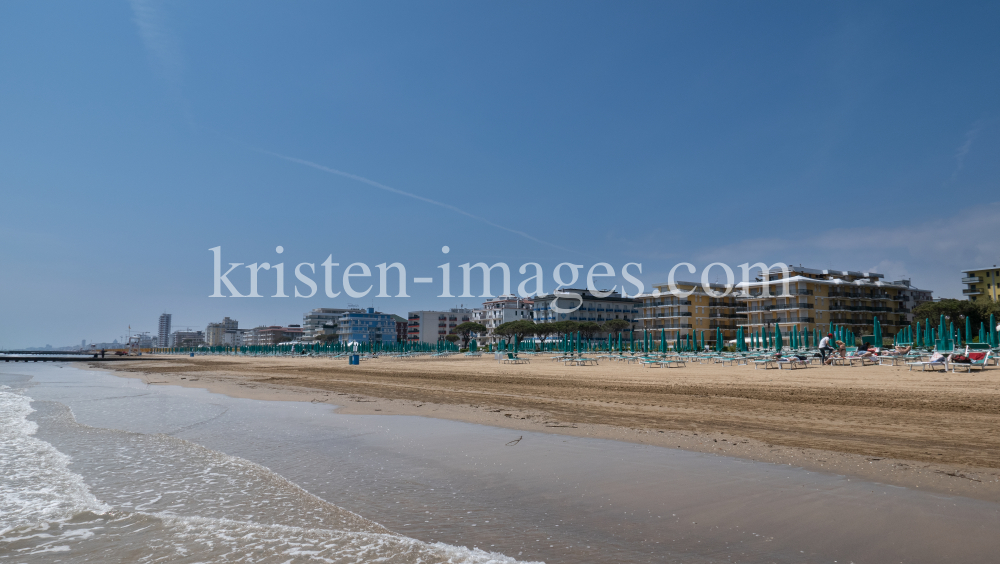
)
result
[(927, 430)]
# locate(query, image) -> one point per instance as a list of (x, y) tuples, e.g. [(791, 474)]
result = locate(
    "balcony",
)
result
[(971, 292), (972, 280)]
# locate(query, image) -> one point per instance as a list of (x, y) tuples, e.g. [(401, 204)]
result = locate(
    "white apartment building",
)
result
[(591, 307), (501, 310), (321, 322), (432, 326)]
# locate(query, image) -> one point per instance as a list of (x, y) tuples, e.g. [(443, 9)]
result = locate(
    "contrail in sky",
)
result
[(409, 195)]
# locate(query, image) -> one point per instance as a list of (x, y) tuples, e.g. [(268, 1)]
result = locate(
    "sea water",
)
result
[(107, 469), (155, 498)]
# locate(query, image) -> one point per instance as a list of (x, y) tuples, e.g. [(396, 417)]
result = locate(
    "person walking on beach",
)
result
[(102, 353), (824, 347)]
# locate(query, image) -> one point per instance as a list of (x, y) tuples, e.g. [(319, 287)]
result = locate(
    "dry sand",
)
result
[(929, 430)]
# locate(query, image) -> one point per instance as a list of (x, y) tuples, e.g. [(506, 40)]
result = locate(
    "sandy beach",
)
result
[(929, 430)]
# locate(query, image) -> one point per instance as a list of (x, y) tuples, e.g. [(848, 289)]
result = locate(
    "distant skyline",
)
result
[(136, 136)]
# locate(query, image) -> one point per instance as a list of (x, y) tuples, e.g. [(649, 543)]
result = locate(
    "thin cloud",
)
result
[(933, 252), (965, 147), (409, 195), (156, 36)]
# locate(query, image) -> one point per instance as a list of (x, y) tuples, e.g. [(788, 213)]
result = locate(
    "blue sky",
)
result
[(136, 136)]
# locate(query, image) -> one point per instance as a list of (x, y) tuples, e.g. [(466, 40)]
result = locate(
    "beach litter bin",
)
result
[(354, 359), (192, 355)]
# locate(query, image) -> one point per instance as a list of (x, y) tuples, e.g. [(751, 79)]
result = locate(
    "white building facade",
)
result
[(432, 326), (498, 311)]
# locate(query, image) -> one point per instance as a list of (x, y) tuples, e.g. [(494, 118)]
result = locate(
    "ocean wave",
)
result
[(169, 500), (35, 481)]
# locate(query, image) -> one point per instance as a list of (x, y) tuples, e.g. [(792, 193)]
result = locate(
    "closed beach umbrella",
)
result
[(663, 340), (993, 331), (777, 338)]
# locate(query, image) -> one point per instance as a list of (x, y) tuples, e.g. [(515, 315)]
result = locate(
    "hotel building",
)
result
[(661, 311), (591, 308), (432, 326), (817, 298), (498, 311)]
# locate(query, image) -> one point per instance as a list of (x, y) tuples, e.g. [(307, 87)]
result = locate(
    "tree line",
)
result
[(517, 330)]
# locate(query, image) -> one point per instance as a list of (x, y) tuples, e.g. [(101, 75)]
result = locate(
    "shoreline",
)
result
[(364, 391)]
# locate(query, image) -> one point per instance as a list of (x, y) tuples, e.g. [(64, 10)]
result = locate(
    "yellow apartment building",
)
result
[(981, 282), (817, 298), (662, 311)]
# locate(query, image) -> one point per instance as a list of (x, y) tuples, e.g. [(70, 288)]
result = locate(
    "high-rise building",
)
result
[(163, 335), (214, 331)]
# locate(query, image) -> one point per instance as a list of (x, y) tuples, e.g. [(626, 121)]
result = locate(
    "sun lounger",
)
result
[(766, 363), (733, 361), (513, 359), (934, 365), (980, 364), (861, 359), (792, 363)]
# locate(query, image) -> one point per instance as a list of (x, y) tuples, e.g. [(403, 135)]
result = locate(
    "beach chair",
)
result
[(855, 357), (512, 359), (734, 360), (792, 363), (979, 363), (766, 363), (942, 363), (891, 359)]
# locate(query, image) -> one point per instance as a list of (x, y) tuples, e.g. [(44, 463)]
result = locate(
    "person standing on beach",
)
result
[(824, 346), (102, 353)]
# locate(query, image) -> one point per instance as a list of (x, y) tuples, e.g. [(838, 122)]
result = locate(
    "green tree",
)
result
[(515, 330), (543, 330), (451, 337), (955, 311), (567, 328), (588, 329), (615, 325), (466, 329)]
